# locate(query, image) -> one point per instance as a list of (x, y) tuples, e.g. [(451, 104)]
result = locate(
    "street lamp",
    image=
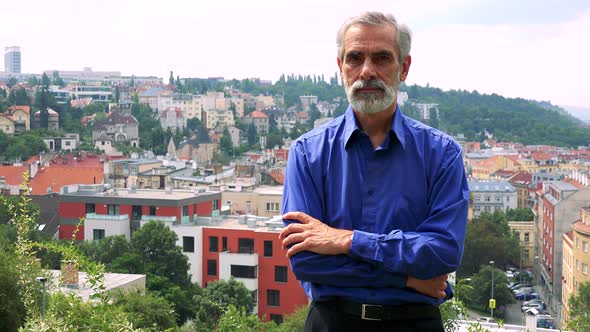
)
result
[(42, 280), (493, 304)]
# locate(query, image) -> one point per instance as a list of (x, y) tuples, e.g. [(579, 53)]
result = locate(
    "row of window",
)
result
[(246, 271), (113, 209), (245, 246)]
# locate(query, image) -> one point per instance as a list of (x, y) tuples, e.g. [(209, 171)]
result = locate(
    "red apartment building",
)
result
[(559, 206), (253, 255), (109, 212), (245, 248)]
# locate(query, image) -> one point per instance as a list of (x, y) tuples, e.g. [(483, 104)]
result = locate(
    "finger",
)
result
[(291, 228), (299, 216), (296, 249), (292, 239), (441, 295)]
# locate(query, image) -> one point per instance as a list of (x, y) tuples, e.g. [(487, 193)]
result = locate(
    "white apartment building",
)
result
[(492, 196)]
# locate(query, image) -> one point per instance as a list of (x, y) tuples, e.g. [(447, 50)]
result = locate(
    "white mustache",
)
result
[(375, 83)]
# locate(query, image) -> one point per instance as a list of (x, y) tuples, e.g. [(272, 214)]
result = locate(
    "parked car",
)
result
[(535, 301), (509, 274), (527, 296), (523, 290), (545, 321), (486, 320), (526, 307)]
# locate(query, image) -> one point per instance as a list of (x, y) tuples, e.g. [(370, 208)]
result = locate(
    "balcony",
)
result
[(242, 267), (171, 219), (115, 217)]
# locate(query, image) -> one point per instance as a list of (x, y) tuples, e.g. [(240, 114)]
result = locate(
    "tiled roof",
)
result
[(278, 176), (57, 177), (13, 174), (540, 156), (115, 118), (521, 178), (24, 108), (258, 114)]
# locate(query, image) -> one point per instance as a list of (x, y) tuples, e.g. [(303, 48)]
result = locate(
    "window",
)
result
[(98, 234), (188, 244), (585, 246), (152, 210), (280, 273), (185, 211), (274, 207), (487, 198), (273, 297), (584, 268), (90, 207), (224, 243), (526, 237), (213, 244), (276, 318), (477, 198), (243, 271), (211, 267), (215, 205), (525, 254), (113, 209), (267, 248), (254, 294), (245, 246)]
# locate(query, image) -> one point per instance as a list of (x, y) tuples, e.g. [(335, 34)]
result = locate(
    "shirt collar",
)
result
[(351, 126)]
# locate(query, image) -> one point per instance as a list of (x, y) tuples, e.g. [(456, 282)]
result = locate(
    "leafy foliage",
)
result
[(12, 309), (146, 311), (508, 119), (218, 295), (478, 295), (488, 238), (579, 309)]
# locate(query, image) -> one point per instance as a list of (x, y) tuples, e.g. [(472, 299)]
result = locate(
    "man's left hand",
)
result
[(310, 234)]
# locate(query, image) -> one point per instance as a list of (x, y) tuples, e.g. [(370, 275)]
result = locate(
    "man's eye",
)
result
[(383, 58), (353, 58)]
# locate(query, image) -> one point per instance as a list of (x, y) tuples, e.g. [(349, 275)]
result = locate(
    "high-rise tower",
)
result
[(12, 59)]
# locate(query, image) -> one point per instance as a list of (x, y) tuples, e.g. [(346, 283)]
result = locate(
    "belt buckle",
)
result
[(364, 311)]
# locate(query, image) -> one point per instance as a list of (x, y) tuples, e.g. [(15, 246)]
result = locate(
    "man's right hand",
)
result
[(434, 287)]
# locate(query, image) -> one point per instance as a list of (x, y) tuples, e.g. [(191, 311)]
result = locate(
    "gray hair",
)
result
[(403, 36)]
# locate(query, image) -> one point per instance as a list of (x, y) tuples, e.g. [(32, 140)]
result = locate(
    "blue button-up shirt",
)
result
[(406, 201)]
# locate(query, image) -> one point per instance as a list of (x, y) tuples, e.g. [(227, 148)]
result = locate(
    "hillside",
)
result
[(508, 119)]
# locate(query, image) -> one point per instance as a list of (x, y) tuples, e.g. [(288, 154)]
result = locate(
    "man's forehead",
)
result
[(360, 33)]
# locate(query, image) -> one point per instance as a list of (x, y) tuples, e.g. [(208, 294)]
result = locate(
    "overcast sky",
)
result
[(536, 49)]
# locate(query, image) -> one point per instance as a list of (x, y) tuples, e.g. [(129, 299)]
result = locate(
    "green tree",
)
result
[(12, 309), (251, 134), (314, 113), (171, 79), (218, 295), (225, 142), (237, 320), (146, 311), (56, 80), (519, 215), (579, 319), (155, 254), (480, 293), (11, 82), (488, 238)]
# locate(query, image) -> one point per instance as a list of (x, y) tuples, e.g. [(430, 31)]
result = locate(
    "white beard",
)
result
[(371, 103)]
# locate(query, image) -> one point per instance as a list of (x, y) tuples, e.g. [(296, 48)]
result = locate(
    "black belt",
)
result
[(383, 312)]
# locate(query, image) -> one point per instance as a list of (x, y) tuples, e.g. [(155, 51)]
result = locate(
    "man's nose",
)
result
[(368, 71)]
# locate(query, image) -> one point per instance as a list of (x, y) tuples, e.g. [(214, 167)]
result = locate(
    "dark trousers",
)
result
[(323, 317)]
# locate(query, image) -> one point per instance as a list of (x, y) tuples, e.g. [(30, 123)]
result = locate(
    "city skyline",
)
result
[(532, 49)]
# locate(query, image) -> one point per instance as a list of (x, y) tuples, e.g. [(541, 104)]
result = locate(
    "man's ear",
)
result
[(405, 67), (340, 67)]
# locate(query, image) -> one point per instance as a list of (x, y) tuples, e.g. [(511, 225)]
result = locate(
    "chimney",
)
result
[(69, 274)]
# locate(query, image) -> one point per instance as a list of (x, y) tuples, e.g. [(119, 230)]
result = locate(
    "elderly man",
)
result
[(375, 203)]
